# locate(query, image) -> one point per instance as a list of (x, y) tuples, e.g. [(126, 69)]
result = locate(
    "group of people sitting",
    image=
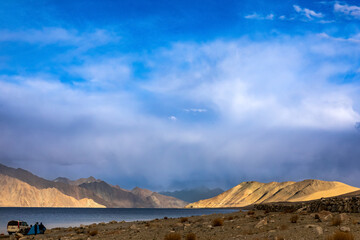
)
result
[(36, 229)]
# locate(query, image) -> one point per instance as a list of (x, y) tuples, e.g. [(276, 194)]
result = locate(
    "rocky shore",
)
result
[(334, 204), (238, 225)]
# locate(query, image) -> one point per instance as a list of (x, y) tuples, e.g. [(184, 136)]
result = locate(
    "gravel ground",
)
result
[(239, 225)]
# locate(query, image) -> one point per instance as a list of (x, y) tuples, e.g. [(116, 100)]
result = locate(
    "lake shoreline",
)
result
[(235, 225)]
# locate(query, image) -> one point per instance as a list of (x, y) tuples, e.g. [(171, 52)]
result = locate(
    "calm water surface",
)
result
[(66, 217)]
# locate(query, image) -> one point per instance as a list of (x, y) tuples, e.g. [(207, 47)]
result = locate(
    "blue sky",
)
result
[(176, 94)]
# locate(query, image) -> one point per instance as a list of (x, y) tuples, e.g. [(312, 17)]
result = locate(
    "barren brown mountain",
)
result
[(248, 193), (100, 192), (16, 193)]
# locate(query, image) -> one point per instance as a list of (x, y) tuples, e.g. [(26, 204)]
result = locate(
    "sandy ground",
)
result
[(239, 225)]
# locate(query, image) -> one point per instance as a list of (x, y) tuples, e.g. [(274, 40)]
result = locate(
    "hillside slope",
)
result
[(16, 193), (248, 193), (41, 183)]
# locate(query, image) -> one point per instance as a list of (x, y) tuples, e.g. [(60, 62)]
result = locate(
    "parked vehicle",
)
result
[(17, 226)]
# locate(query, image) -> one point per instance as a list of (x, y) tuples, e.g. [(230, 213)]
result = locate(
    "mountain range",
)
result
[(248, 193), (194, 194), (21, 188)]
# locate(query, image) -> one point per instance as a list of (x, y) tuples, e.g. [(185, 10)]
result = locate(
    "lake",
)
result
[(66, 217)]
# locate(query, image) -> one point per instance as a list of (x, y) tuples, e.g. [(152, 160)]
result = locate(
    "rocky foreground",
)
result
[(238, 225)]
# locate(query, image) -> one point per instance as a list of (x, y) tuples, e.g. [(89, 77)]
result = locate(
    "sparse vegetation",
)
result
[(217, 222), (184, 219), (93, 232), (336, 221), (172, 236), (250, 212), (165, 217), (294, 218), (230, 218), (191, 236), (341, 236)]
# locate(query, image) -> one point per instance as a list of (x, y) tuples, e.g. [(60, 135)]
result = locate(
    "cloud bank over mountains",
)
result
[(213, 112)]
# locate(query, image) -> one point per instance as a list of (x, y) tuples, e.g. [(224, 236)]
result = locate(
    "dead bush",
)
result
[(165, 217), (341, 236), (336, 221), (93, 232), (230, 218), (294, 218), (250, 212), (191, 236), (184, 219), (172, 236), (217, 222)]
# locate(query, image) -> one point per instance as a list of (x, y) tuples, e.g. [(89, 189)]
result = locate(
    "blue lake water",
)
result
[(65, 217)]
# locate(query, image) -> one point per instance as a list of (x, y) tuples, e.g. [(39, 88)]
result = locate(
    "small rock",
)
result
[(344, 217), (328, 217), (344, 229), (301, 210), (133, 227), (319, 230), (262, 223)]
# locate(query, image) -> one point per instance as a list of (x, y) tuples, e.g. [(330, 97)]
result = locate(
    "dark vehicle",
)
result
[(14, 226)]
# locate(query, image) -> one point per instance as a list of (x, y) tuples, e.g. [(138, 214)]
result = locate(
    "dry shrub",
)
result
[(336, 221), (165, 217), (172, 236), (250, 212), (294, 218), (289, 210), (230, 218), (266, 211), (317, 216), (184, 219), (341, 236), (191, 236), (217, 222), (93, 232)]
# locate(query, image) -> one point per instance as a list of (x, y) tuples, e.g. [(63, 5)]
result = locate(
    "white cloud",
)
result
[(266, 84), (199, 110), (60, 36), (172, 118), (309, 14), (103, 72), (354, 39), (353, 11), (257, 16)]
